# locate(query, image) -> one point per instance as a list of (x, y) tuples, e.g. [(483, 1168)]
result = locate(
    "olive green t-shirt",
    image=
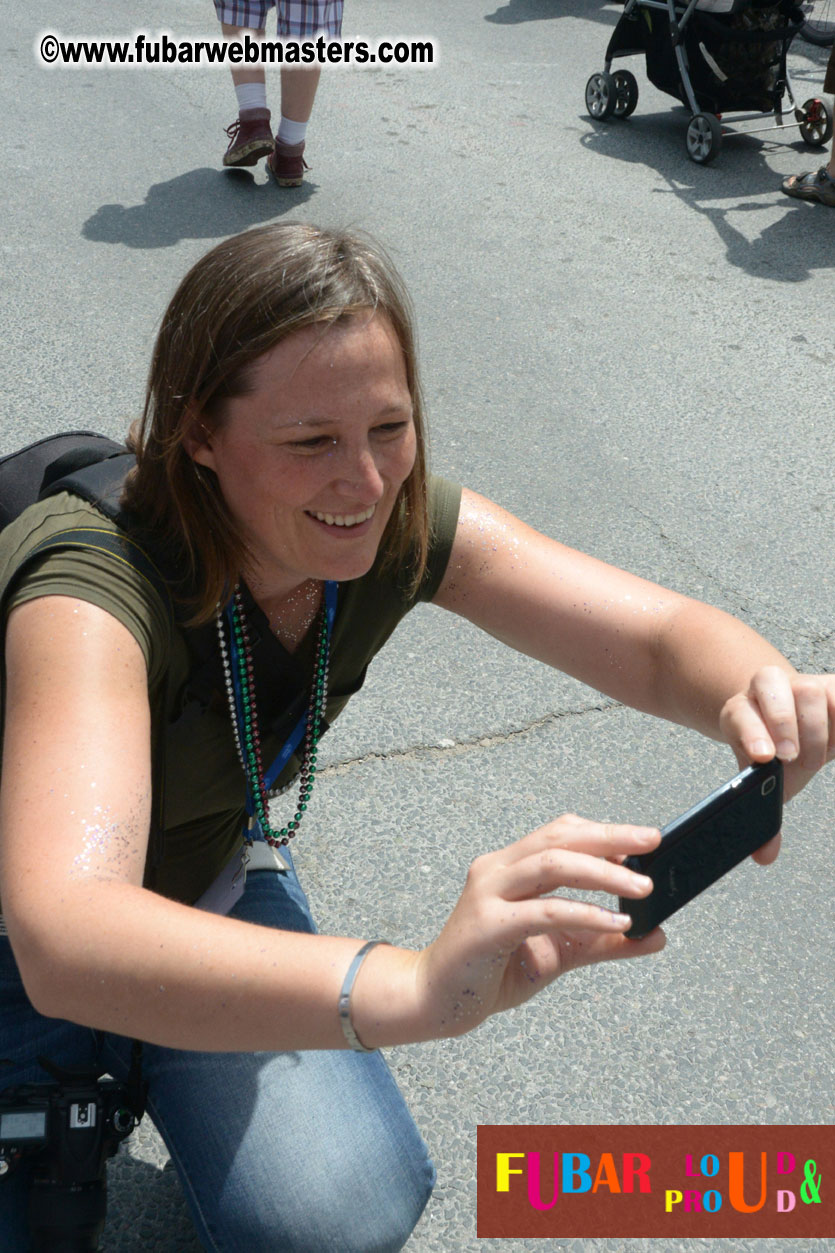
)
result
[(205, 791)]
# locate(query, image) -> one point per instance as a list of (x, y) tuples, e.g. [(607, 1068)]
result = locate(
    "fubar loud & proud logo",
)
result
[(656, 1181)]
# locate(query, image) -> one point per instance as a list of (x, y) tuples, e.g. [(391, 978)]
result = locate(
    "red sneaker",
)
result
[(287, 165), (250, 138)]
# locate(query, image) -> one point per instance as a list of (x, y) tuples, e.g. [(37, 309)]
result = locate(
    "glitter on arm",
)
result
[(113, 845)]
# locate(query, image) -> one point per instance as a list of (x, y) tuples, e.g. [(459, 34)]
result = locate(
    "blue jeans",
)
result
[(276, 1152)]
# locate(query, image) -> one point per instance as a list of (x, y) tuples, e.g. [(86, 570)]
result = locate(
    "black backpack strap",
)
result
[(118, 545), (96, 472)]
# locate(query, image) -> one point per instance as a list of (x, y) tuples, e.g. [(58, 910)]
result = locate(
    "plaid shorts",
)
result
[(295, 19)]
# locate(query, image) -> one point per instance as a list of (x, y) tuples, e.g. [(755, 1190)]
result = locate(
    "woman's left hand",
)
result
[(785, 715)]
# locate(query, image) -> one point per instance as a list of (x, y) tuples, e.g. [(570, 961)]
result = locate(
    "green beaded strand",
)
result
[(250, 736)]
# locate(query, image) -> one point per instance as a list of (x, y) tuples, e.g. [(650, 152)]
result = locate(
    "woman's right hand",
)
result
[(508, 937), (95, 947)]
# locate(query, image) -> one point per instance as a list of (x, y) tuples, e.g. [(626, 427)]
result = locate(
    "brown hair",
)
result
[(234, 305)]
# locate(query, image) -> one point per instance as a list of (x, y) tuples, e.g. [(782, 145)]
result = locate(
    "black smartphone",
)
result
[(706, 842)]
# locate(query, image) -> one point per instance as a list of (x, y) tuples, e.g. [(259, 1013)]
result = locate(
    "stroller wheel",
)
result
[(704, 138), (601, 96), (815, 123), (626, 93)]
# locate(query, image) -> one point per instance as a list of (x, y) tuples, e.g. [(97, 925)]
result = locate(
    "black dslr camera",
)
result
[(69, 1129)]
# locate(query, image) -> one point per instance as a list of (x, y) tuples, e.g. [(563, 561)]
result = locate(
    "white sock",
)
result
[(290, 132), (251, 95)]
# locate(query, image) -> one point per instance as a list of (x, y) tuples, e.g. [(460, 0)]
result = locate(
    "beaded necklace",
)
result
[(240, 688)]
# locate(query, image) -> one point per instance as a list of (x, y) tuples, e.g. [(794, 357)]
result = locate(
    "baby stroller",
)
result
[(715, 56)]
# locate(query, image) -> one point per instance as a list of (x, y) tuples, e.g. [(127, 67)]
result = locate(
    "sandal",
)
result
[(817, 185)]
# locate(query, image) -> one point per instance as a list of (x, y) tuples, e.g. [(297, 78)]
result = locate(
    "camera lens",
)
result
[(66, 1219)]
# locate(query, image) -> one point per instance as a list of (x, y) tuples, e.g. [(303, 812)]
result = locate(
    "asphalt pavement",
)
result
[(632, 352)]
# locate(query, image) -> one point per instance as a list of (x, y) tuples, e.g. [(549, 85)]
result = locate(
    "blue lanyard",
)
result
[(296, 735)]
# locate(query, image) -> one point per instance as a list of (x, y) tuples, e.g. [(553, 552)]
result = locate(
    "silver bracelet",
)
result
[(348, 1031)]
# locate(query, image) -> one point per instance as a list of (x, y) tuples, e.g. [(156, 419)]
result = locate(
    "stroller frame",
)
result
[(615, 94)]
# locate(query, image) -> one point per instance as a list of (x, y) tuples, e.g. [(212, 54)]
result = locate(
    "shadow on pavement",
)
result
[(146, 1210), (516, 11), (787, 250), (200, 204)]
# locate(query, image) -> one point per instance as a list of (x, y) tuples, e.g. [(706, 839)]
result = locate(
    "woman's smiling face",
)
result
[(311, 460)]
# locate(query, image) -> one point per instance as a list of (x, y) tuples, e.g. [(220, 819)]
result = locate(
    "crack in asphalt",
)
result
[(451, 748), (743, 601), (689, 556)]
